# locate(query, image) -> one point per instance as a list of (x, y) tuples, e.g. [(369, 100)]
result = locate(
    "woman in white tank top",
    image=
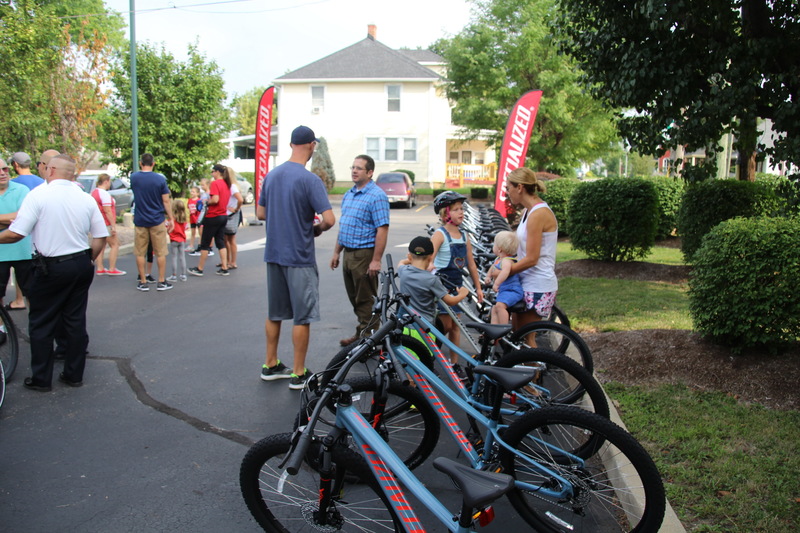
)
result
[(536, 256)]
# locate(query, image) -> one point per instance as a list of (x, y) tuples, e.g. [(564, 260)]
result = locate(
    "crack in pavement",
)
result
[(126, 370)]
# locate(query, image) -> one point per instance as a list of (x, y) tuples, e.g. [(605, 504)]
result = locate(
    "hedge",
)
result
[(743, 289), (670, 193), (614, 219), (707, 203), (557, 197)]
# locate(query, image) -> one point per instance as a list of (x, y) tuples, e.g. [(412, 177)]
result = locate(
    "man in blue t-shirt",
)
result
[(152, 209), (290, 197), (22, 166)]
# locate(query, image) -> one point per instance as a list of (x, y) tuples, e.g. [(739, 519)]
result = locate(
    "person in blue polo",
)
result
[(363, 230)]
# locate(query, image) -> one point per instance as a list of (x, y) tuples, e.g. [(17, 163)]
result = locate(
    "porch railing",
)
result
[(461, 175)]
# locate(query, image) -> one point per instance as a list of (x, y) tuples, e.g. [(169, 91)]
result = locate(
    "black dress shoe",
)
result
[(64, 380), (29, 384)]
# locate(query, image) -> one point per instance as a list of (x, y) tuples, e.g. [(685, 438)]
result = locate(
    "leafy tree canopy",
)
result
[(182, 114), (245, 110), (55, 65), (507, 50), (693, 70)]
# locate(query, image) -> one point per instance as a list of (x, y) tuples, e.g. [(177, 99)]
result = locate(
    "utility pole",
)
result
[(134, 102)]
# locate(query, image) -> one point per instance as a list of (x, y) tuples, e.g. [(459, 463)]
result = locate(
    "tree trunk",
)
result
[(746, 145)]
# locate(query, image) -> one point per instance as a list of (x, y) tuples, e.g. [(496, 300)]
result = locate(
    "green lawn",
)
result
[(727, 466)]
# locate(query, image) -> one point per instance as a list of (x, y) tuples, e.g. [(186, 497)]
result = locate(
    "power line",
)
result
[(187, 7)]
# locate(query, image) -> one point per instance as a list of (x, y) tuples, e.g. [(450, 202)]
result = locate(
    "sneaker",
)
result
[(172, 278), (101, 271), (182, 277), (150, 279), (196, 272), (462, 375), (223, 272), (163, 286), (142, 287), (115, 272), (211, 253), (279, 371), (298, 382), (195, 253)]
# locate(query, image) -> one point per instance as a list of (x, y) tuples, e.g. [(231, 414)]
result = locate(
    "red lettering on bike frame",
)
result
[(393, 491), (443, 360), (452, 425)]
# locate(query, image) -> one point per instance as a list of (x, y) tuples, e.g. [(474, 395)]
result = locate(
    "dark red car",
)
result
[(398, 187)]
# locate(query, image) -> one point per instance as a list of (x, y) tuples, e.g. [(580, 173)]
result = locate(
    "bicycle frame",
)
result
[(422, 326), (388, 468)]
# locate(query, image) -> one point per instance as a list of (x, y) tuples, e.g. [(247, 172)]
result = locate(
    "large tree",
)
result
[(694, 71), (507, 50), (182, 114), (55, 66)]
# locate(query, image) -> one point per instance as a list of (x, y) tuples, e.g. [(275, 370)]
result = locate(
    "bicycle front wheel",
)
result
[(281, 503), (618, 488), (9, 343)]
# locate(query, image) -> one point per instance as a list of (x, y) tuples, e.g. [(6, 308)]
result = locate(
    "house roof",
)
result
[(366, 59)]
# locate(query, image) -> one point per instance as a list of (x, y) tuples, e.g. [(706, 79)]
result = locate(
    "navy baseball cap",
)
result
[(303, 135), (421, 246)]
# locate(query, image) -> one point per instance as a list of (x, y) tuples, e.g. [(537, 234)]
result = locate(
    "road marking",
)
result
[(253, 245)]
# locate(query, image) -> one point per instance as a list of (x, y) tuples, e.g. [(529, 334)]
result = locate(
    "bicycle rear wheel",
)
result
[(556, 337), (9, 343), (281, 503), (2, 384), (560, 381), (618, 488)]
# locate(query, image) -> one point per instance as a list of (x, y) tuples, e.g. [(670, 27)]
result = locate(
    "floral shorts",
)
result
[(541, 302)]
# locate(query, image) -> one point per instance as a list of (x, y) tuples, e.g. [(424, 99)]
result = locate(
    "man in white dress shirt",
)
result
[(59, 216)]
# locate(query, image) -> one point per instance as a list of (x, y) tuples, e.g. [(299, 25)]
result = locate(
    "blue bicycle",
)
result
[(350, 479)]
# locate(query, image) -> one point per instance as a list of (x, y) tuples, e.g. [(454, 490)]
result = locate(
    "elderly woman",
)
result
[(107, 206), (16, 255), (536, 256)]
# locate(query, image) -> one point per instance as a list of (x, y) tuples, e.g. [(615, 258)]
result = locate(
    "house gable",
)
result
[(367, 59)]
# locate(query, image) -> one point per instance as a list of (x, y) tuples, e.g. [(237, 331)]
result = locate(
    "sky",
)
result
[(255, 41)]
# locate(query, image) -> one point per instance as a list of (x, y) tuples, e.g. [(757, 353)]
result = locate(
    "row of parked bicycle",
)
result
[(530, 423)]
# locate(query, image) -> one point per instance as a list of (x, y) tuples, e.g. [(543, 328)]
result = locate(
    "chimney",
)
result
[(372, 31)]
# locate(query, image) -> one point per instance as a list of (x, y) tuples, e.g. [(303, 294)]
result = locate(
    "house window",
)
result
[(374, 147), (479, 158), (453, 158), (409, 149), (466, 157), (317, 98), (392, 148), (393, 97)]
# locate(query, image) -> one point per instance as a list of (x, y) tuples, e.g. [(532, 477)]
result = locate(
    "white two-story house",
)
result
[(389, 104)]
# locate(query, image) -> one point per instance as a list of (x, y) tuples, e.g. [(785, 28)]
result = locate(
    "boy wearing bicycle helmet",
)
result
[(452, 253)]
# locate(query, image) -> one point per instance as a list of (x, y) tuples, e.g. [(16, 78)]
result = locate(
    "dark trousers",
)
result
[(58, 303), (360, 286)]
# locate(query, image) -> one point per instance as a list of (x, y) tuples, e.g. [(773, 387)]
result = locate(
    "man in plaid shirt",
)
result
[(363, 230)]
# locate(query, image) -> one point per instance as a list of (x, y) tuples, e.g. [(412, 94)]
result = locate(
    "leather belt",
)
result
[(67, 257)]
